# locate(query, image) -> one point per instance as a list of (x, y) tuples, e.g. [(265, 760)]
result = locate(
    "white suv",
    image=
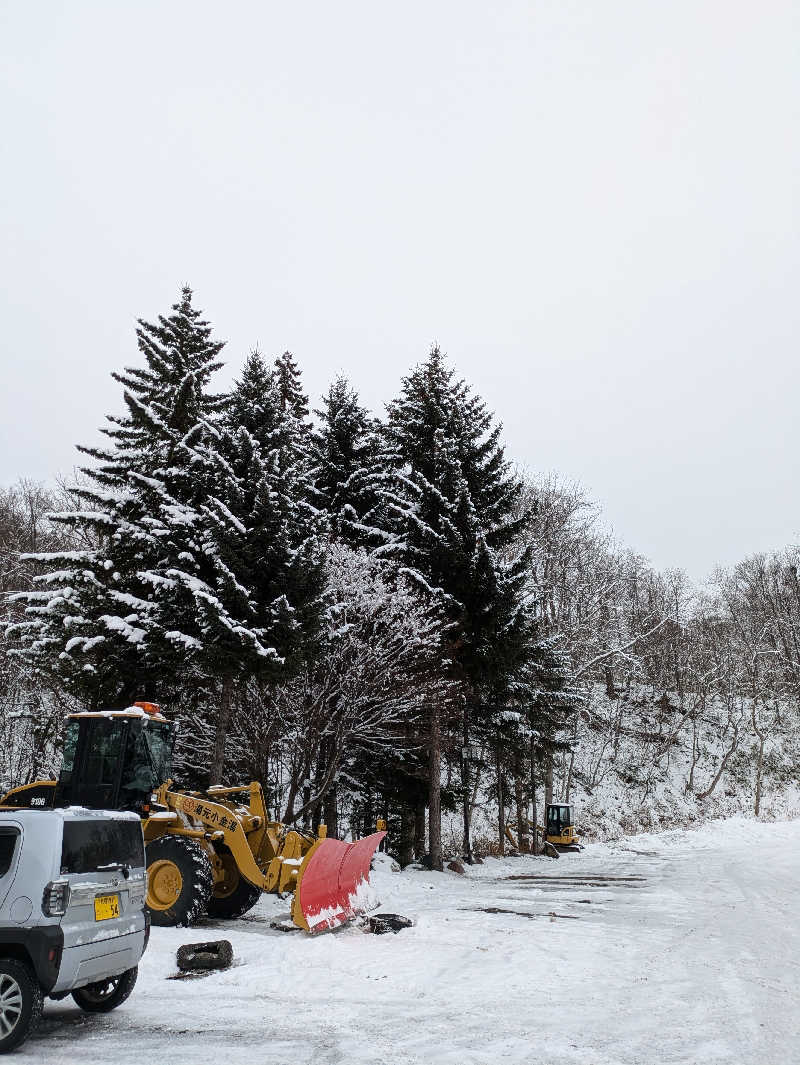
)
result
[(72, 918)]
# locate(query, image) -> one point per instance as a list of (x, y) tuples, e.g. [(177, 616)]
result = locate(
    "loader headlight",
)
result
[(55, 898)]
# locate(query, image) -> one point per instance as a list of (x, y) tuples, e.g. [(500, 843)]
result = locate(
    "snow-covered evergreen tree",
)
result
[(263, 539), (270, 404), (265, 550), (455, 519), (294, 426), (253, 403), (92, 618), (280, 498), (346, 454), (454, 515)]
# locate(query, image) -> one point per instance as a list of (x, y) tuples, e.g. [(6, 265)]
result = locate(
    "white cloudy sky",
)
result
[(592, 207)]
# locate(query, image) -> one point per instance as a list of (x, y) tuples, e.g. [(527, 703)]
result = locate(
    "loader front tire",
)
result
[(232, 902), (179, 881)]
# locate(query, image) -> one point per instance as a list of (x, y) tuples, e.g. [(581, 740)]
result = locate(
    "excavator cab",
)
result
[(114, 760), (561, 827)]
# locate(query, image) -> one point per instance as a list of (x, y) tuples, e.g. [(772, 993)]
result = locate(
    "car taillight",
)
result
[(55, 898)]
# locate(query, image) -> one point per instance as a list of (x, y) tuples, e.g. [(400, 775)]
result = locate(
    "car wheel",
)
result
[(20, 1003), (105, 995)]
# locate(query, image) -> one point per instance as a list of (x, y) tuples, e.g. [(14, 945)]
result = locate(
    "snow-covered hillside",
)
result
[(641, 764)]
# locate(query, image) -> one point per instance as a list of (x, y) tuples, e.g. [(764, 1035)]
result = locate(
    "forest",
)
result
[(376, 615)]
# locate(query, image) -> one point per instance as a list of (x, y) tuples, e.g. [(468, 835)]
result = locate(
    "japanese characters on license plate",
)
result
[(106, 907)]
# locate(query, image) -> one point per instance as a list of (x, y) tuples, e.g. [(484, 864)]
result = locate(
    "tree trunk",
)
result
[(759, 768), (331, 812), (316, 806), (695, 754), (419, 828), (522, 823), (727, 757), (617, 731), (534, 810), (221, 732), (501, 802), (435, 792), (548, 782), (611, 690), (466, 843), (760, 763), (568, 785), (406, 849)]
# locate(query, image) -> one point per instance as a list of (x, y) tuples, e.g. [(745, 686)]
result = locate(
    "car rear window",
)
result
[(8, 841), (90, 845)]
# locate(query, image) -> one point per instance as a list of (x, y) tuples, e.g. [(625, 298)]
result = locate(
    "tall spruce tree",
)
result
[(253, 403), (92, 619), (294, 426), (266, 529), (347, 472), (454, 515)]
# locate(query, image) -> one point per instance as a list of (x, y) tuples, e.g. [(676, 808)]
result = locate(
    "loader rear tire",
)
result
[(179, 881), (234, 903)]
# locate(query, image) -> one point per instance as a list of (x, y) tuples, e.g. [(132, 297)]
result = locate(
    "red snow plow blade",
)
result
[(332, 882)]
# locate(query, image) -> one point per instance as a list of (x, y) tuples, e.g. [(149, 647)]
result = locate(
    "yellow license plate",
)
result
[(106, 907)]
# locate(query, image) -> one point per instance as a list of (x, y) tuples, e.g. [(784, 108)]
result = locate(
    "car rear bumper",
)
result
[(89, 962)]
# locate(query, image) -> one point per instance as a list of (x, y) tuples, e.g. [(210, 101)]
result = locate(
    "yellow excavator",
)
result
[(212, 851), (559, 831)]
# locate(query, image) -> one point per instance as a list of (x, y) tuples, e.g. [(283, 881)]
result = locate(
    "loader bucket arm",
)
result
[(332, 882)]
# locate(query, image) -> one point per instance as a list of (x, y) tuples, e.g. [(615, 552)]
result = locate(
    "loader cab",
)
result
[(115, 759)]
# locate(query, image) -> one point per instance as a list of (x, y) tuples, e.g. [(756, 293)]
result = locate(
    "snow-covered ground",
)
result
[(694, 959)]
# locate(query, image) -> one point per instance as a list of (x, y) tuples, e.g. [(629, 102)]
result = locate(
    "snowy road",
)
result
[(686, 948)]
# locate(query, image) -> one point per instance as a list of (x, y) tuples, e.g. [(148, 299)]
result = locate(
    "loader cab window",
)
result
[(159, 737), (138, 777), (148, 762), (68, 758), (70, 746), (101, 761), (90, 770)]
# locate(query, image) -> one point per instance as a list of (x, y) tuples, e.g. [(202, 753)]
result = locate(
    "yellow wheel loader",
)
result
[(212, 851)]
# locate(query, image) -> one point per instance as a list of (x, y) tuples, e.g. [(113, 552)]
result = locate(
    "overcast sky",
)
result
[(592, 207)]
